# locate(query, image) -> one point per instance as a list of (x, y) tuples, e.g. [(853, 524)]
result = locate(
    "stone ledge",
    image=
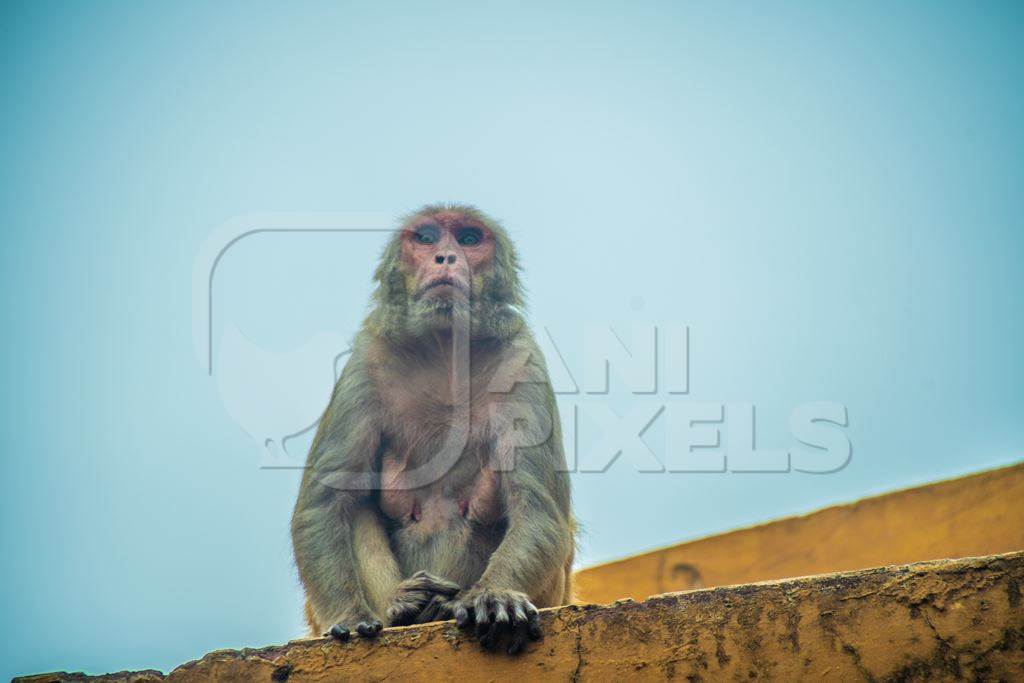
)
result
[(938, 620)]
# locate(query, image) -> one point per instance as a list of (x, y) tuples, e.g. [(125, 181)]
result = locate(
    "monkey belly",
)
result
[(449, 528), (444, 540)]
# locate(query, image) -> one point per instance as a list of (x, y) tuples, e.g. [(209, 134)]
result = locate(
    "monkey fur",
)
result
[(436, 485)]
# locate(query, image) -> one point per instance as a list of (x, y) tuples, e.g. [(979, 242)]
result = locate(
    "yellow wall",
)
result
[(980, 514)]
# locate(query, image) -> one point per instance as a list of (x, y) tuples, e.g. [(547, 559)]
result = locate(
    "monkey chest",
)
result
[(435, 467)]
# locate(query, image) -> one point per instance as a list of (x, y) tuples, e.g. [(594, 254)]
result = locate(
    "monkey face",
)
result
[(446, 257), (446, 265)]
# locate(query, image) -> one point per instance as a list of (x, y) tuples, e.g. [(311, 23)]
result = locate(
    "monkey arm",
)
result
[(537, 545), (538, 540), (341, 552), (323, 537), (527, 452), (531, 562)]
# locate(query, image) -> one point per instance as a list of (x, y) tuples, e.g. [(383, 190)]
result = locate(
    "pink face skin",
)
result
[(442, 252)]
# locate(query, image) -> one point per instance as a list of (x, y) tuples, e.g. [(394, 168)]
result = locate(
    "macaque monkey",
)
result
[(436, 486)]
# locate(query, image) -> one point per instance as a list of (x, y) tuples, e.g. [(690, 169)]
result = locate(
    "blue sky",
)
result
[(826, 194)]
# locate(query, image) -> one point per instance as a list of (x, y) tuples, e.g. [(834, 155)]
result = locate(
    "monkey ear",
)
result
[(389, 276), (395, 283)]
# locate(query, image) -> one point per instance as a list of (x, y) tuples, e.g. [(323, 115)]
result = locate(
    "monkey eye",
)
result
[(425, 234), (470, 237)]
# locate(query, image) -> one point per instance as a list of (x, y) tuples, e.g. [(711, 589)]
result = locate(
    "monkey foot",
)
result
[(422, 598), (367, 629), (340, 632)]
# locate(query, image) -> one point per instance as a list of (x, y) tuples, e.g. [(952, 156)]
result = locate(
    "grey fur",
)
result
[(490, 568)]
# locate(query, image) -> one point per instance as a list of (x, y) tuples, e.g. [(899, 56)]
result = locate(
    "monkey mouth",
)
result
[(442, 282)]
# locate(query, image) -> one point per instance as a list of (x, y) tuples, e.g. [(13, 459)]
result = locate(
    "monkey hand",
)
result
[(367, 626), (421, 598), (494, 612)]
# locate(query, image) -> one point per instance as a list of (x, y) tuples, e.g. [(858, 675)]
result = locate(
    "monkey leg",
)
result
[(362, 589), (377, 570), (377, 567)]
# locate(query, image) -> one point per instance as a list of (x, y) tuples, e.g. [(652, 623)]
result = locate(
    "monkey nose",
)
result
[(444, 258)]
